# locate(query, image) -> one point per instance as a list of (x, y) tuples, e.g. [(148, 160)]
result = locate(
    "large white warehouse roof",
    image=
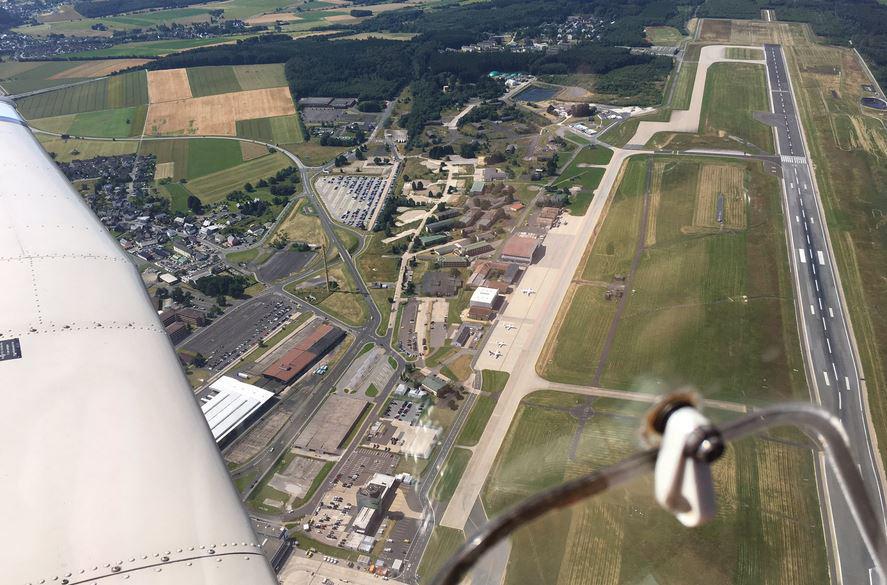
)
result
[(229, 403)]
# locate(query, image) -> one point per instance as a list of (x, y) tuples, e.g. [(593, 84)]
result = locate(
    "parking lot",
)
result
[(351, 199), (232, 334), (407, 335), (408, 411)]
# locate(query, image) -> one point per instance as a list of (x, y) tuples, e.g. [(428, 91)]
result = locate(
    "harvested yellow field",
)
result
[(168, 86), (99, 68), (250, 150), (342, 17), (726, 180), (272, 18), (217, 115), (164, 170), (655, 200)]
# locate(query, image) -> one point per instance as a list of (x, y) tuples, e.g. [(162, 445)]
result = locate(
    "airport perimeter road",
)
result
[(831, 363)]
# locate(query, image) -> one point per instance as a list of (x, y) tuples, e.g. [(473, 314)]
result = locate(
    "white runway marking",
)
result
[(847, 382), (835, 370), (821, 257), (825, 375), (840, 401), (831, 313), (820, 303), (812, 311), (829, 343), (801, 254), (824, 326)]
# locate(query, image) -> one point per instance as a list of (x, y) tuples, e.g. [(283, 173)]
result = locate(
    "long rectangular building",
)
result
[(313, 345), (327, 430), (230, 404)]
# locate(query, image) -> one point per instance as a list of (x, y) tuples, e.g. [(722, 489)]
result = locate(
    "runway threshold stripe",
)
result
[(825, 375), (821, 257), (801, 254), (847, 382)]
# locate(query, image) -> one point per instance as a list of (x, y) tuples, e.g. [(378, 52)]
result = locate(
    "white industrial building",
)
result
[(229, 403), (484, 297)]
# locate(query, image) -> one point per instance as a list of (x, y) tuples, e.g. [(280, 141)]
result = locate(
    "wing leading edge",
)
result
[(110, 473)]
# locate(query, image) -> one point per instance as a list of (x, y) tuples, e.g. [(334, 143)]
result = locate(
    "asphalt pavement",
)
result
[(832, 367)]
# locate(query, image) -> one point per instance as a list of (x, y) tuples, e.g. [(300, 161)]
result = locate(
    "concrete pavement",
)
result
[(687, 120)]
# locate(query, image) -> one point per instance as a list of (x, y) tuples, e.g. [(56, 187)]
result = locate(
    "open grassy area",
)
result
[(68, 150), (744, 53), (273, 130), (494, 380), (212, 80), (343, 303), (441, 546), (120, 91), (313, 154), (733, 92), (477, 421), (117, 123), (663, 35), (450, 475), (301, 226), (708, 306), (579, 173), (215, 186), (768, 526), (23, 76)]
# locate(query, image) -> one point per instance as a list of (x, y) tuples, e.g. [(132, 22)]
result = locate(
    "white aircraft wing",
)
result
[(110, 473)]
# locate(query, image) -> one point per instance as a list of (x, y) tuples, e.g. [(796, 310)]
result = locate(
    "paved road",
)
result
[(832, 367)]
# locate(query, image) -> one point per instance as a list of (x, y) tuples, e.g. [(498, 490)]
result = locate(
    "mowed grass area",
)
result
[(477, 421), (744, 53), (23, 76), (119, 91), (117, 123), (443, 543), (663, 35), (274, 130), (450, 475), (707, 307), (733, 92), (212, 80), (587, 178), (767, 529), (213, 187), (194, 158), (343, 303), (493, 380), (71, 149), (301, 226), (220, 79)]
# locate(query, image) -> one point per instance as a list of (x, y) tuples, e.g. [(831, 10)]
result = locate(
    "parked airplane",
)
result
[(501, 343), (509, 326), (496, 354), (529, 291)]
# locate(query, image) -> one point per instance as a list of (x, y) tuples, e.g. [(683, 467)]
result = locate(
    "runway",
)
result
[(831, 364)]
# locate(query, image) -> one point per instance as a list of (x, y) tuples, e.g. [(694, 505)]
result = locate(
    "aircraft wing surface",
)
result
[(109, 472)]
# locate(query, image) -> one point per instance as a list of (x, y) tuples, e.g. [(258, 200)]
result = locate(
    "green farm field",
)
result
[(213, 187), (221, 79), (768, 526), (68, 150), (120, 91), (274, 130), (195, 158), (708, 306), (23, 76), (123, 22), (117, 123)]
